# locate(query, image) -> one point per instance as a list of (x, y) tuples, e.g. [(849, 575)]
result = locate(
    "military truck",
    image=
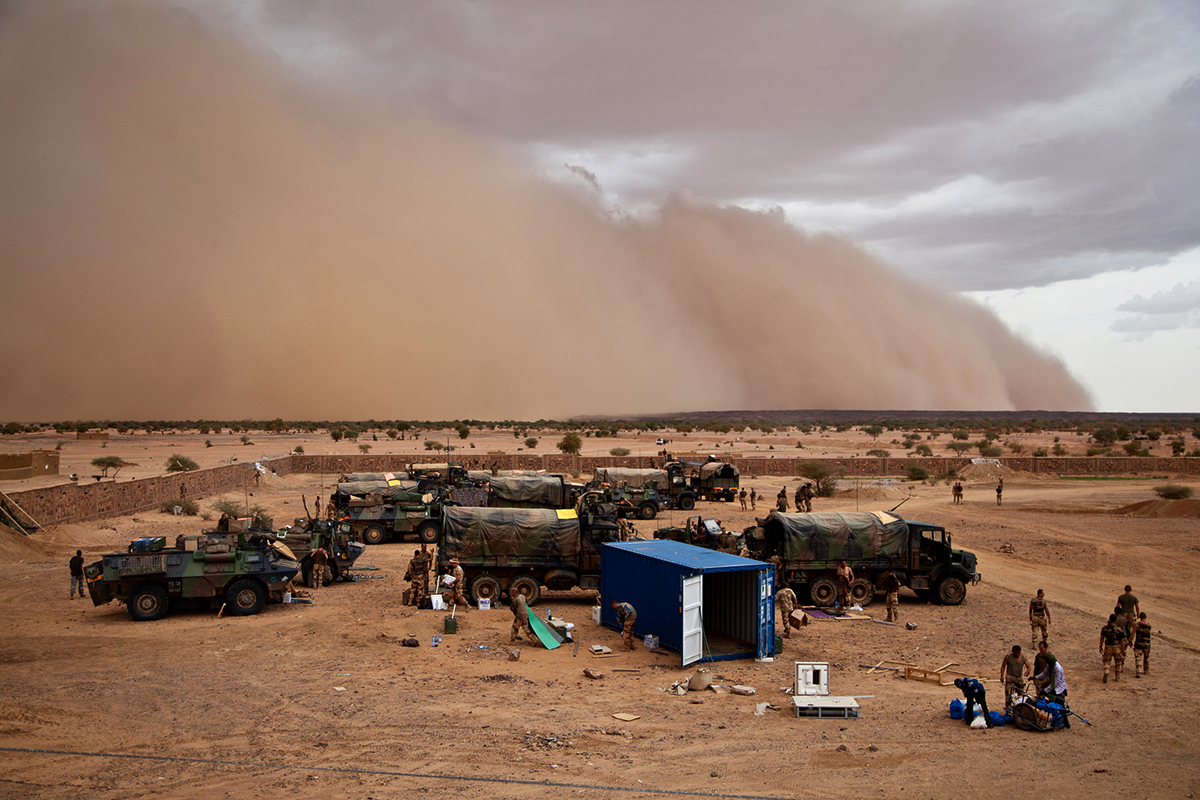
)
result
[(241, 570), (702, 532), (532, 491), (918, 553), (712, 480), (378, 511), (304, 536), (635, 491), (518, 550)]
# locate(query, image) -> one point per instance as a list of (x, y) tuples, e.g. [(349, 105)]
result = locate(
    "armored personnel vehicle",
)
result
[(242, 570), (304, 536)]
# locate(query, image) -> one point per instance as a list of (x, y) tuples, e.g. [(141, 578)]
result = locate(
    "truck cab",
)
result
[(938, 570)]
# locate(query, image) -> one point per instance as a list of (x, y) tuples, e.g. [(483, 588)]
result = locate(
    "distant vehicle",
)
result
[(660, 441), (240, 570), (532, 491), (870, 542), (379, 510), (702, 532)]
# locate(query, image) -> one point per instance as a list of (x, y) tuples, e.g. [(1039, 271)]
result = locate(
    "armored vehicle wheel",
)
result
[(951, 591), (244, 597), (428, 532), (485, 587), (862, 592), (687, 502), (526, 586), (822, 592), (647, 510), (374, 534), (148, 602)]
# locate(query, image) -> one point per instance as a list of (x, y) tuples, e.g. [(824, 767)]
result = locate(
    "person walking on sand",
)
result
[(957, 493), (77, 579), (890, 585), (1112, 647), (742, 498), (845, 577), (999, 490), (781, 500), (753, 499), (785, 598), (1039, 618), (1141, 647)]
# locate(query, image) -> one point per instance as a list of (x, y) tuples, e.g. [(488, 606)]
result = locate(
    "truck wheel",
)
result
[(374, 534), (951, 591), (244, 597), (862, 592), (526, 586), (647, 511), (687, 502), (822, 592), (485, 587), (428, 532), (148, 602)]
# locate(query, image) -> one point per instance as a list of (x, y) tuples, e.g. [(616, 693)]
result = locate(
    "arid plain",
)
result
[(321, 701)]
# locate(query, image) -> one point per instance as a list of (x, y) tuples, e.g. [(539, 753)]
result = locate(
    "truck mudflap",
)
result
[(976, 578)]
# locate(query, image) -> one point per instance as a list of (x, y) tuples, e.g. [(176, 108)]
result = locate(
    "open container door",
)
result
[(693, 619), (766, 614)]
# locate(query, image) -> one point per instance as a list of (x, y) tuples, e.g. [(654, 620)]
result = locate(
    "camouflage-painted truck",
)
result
[(242, 570), (532, 491), (304, 536), (519, 550), (637, 492), (381, 510), (712, 480), (918, 553)]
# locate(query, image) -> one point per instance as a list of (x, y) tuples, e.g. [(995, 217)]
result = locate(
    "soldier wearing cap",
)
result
[(418, 569), (1112, 647), (1039, 618), (627, 616), (456, 588)]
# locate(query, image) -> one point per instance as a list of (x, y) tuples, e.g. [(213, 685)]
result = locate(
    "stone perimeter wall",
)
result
[(77, 502)]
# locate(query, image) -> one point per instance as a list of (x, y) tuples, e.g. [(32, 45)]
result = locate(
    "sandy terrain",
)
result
[(320, 701)]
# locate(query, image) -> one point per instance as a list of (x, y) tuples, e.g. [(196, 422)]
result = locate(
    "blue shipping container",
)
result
[(708, 605)]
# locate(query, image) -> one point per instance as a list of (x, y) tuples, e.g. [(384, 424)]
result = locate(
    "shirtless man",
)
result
[(1014, 669)]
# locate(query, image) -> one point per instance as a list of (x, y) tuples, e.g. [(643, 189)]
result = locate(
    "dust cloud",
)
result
[(185, 232)]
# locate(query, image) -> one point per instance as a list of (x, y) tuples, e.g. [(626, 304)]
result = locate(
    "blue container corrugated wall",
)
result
[(738, 611)]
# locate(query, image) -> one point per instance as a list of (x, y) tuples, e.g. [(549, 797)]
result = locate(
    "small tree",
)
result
[(619, 451), (463, 430), (570, 444), (429, 443), (336, 434), (364, 448), (873, 431), (531, 442), (298, 449), (1178, 446), (916, 472), (1104, 436), (208, 443), (180, 463), (392, 433), (821, 475), (246, 440), (959, 447), (1173, 491), (115, 463), (879, 453), (1059, 450), (923, 450)]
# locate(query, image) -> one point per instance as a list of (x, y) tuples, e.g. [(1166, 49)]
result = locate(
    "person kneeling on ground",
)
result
[(974, 692), (1054, 682)]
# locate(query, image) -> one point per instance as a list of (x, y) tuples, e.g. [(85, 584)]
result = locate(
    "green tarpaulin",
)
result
[(832, 535), (637, 478), (503, 536), (547, 490)]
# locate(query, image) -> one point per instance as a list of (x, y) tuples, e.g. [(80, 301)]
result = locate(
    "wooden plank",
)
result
[(944, 666), (877, 666)]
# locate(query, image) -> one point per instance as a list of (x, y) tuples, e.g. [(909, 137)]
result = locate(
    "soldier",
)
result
[(456, 588), (1043, 659), (317, 573), (1129, 606), (417, 569), (809, 493), (425, 573), (1141, 646), (845, 576), (785, 598), (627, 616), (742, 497), (799, 498), (975, 694), (999, 490), (753, 499), (520, 623), (781, 499), (1014, 669), (76, 565), (957, 493), (1039, 617), (1112, 647), (891, 585), (330, 509), (1052, 681), (1125, 626)]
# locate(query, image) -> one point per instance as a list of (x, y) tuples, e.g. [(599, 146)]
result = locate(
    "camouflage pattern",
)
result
[(510, 536), (636, 478), (418, 577), (627, 616), (352, 477), (304, 538), (520, 623), (455, 590), (785, 598), (530, 491), (1141, 648), (1113, 638), (718, 481), (836, 536), (237, 569)]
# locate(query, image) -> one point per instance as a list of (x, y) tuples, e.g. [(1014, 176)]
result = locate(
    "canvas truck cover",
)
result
[(384, 488), (354, 477), (833, 535), (545, 489), (479, 475), (510, 536), (718, 469), (636, 478)]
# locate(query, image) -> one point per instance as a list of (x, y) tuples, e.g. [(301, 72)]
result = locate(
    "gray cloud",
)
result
[(985, 146), (1173, 309)]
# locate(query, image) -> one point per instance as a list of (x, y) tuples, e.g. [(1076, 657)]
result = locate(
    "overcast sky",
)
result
[(1041, 157)]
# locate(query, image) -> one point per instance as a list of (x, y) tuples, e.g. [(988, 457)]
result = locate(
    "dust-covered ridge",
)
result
[(186, 232)]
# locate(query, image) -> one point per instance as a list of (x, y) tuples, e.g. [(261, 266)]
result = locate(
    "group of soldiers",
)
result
[(956, 492), (804, 497), (786, 601), (418, 580), (1127, 627)]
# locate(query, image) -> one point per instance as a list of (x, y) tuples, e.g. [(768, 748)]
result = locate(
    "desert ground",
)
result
[(321, 701)]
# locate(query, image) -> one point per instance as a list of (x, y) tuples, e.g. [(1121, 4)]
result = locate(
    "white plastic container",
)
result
[(485, 604), (438, 603), (595, 615)]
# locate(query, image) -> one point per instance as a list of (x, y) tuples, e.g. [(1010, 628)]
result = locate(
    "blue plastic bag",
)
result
[(956, 709)]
